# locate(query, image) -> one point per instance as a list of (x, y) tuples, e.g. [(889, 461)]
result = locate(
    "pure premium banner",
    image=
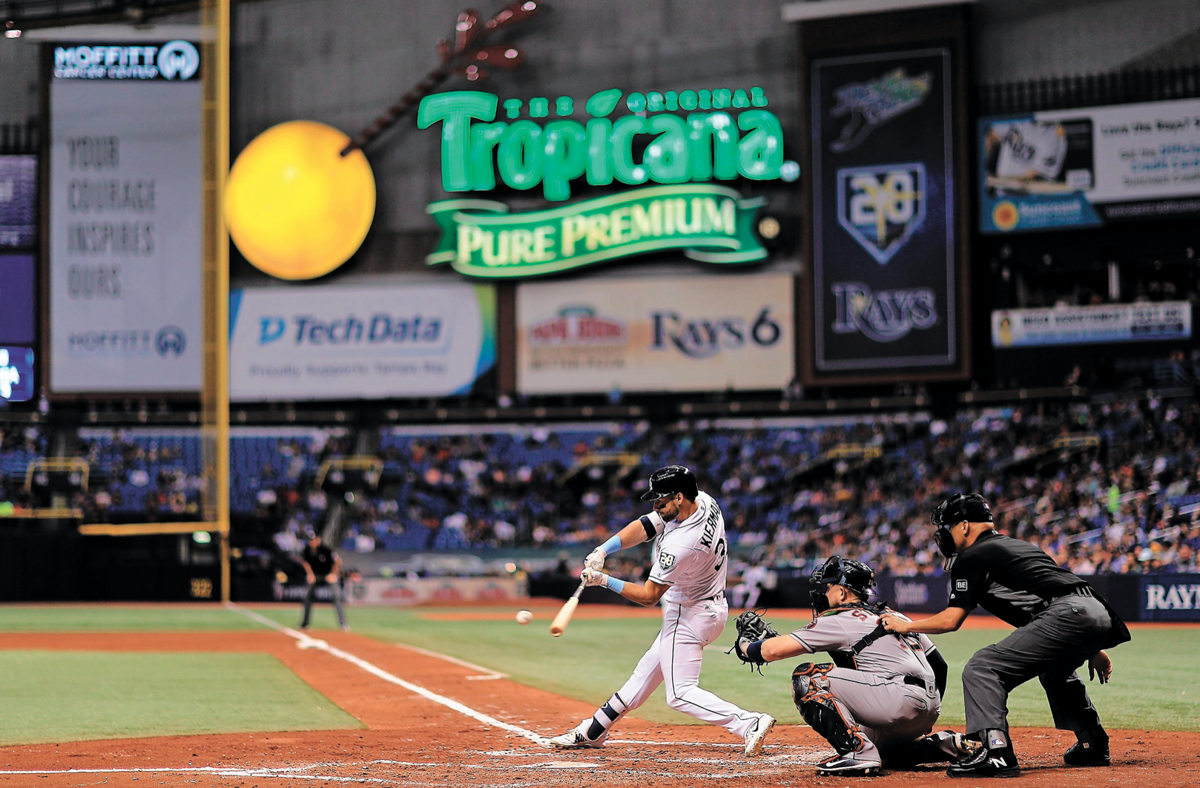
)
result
[(713, 224)]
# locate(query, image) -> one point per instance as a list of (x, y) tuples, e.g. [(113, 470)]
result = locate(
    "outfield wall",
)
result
[(1156, 597)]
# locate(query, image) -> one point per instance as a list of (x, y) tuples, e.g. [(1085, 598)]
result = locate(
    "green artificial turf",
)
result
[(1156, 684), (54, 696), (120, 618)]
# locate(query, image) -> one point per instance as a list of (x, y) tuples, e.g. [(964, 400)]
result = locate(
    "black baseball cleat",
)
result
[(987, 763), (1087, 753)]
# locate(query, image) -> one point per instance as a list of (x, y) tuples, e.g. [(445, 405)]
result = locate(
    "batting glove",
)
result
[(593, 577), (595, 559)]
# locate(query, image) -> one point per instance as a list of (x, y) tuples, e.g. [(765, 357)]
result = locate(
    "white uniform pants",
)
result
[(888, 711), (674, 660)]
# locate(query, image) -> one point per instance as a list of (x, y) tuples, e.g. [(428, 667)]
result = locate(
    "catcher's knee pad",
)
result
[(802, 679), (829, 717)]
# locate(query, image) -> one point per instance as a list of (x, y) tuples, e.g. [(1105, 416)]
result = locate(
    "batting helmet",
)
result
[(838, 571), (670, 480), (958, 508)]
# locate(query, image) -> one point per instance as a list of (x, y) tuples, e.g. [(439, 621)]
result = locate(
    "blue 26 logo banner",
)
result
[(883, 211)]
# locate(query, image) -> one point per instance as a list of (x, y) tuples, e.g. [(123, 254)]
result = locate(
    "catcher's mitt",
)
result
[(751, 627)]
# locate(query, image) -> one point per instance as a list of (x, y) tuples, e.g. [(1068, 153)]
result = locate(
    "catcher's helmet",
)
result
[(670, 480), (855, 575), (958, 508)]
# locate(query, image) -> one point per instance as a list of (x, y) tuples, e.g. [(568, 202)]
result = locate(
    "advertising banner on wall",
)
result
[(1075, 325), (655, 334), (1170, 598), (360, 341), (18, 202), (883, 230), (1086, 167), (125, 218)]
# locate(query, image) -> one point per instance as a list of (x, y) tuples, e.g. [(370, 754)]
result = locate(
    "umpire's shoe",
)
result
[(988, 763), (1090, 750)]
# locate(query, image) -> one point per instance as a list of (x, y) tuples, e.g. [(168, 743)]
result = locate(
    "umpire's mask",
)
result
[(958, 508)]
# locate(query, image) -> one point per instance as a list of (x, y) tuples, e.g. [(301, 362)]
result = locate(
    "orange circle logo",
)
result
[(1005, 215)]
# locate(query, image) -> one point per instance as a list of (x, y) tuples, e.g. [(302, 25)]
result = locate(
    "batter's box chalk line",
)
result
[(378, 672)]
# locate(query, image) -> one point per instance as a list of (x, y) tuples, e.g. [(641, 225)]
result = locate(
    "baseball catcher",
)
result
[(880, 696)]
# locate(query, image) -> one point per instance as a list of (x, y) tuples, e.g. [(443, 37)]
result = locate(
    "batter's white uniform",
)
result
[(690, 556), (889, 710)]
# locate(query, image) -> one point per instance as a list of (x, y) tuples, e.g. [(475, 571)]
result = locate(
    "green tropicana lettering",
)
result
[(699, 146)]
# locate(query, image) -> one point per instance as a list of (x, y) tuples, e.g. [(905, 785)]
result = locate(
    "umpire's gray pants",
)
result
[(335, 590), (1051, 647)]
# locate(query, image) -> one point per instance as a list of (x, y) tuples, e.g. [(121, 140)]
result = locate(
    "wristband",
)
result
[(612, 545), (614, 585), (754, 651)]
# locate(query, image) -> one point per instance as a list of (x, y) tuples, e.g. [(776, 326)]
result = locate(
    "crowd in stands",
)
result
[(1102, 486)]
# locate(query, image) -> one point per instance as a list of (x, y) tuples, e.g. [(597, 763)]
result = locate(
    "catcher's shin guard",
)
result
[(821, 709)]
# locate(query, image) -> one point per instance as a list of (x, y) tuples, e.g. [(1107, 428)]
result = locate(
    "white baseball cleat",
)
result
[(758, 734), (851, 764), (575, 739)]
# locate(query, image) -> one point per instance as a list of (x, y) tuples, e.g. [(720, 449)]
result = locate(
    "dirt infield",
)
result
[(414, 741)]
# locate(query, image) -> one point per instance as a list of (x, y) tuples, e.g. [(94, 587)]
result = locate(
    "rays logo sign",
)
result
[(881, 207)]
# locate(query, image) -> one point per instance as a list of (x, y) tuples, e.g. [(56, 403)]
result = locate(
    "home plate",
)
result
[(561, 765)]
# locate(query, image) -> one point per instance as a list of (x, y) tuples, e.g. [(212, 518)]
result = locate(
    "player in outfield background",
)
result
[(688, 575), (878, 700), (1061, 623), (322, 567)]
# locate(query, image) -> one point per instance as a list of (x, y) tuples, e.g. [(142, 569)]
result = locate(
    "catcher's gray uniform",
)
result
[(882, 685)]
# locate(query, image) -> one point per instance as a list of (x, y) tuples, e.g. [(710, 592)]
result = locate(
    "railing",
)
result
[(20, 138), (1089, 90)]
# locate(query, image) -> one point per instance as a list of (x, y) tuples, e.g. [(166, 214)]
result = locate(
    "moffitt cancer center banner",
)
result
[(1086, 167), (655, 334), (883, 212), (360, 341), (125, 214), (1074, 325)]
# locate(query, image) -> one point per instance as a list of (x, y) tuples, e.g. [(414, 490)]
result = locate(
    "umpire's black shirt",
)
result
[(320, 559), (1010, 578)]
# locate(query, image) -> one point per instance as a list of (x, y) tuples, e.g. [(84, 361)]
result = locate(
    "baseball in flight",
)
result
[(524, 617)]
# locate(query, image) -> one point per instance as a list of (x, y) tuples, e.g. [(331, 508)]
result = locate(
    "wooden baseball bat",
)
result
[(560, 622)]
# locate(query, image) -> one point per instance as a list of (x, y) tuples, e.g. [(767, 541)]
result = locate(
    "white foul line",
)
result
[(219, 771), (488, 674), (304, 641)]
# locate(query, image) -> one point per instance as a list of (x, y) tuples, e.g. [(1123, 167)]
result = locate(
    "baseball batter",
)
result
[(881, 695), (688, 576)]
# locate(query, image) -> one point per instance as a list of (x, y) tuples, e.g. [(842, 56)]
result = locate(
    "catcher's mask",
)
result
[(958, 508), (838, 571)]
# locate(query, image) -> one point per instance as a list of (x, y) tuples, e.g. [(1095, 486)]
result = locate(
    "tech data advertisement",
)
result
[(655, 334), (359, 341), (125, 216), (1086, 167)]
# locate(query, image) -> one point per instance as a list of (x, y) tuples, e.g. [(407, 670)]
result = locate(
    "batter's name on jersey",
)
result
[(710, 527), (666, 560)]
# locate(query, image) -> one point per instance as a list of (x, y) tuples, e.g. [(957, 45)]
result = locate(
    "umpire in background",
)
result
[(1061, 623), (322, 567)]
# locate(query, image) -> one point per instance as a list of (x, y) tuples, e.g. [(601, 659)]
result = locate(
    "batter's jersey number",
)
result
[(720, 551)]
